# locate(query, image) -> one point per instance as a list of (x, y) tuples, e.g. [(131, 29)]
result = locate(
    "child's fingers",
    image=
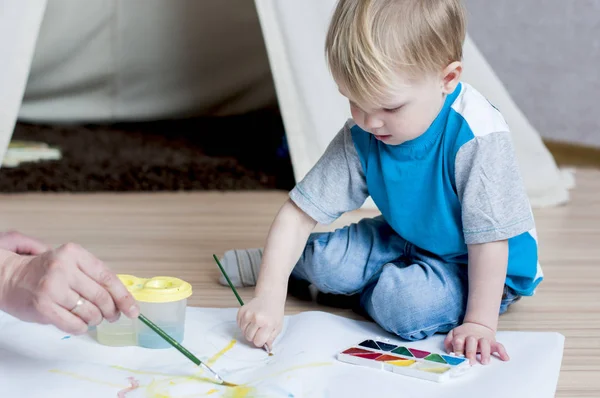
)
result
[(484, 349), (458, 345), (250, 331), (262, 336), (499, 348), (471, 349), (240, 318), (448, 341), (244, 325), (245, 317), (272, 337)]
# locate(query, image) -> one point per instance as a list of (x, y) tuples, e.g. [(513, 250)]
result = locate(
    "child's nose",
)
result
[(373, 122)]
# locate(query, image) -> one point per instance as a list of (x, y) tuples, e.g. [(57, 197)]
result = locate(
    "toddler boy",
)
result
[(455, 244)]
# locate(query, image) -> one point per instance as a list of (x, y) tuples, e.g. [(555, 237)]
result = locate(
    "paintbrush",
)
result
[(265, 347), (180, 348)]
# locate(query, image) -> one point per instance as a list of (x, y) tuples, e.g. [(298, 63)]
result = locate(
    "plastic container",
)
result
[(122, 332), (163, 300)]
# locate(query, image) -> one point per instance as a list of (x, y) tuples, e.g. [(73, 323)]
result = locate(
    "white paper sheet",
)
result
[(40, 361)]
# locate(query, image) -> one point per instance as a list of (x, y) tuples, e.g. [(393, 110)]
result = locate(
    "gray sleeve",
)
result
[(336, 184), (494, 203)]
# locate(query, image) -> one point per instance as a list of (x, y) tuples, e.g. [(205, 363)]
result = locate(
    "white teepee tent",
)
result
[(19, 26), (312, 108)]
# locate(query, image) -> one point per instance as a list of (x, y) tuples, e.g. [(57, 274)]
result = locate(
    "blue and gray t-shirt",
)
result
[(455, 185)]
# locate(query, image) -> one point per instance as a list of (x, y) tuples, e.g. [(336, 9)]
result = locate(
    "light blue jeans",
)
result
[(405, 290)]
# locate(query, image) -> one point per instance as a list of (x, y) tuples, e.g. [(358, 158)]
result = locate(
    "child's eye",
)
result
[(392, 110)]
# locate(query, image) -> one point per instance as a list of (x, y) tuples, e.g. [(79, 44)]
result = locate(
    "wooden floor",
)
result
[(176, 234)]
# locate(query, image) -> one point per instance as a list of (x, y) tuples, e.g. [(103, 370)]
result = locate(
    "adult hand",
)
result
[(67, 287)]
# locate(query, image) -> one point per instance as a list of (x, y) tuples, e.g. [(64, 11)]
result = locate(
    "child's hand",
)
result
[(471, 338), (261, 320)]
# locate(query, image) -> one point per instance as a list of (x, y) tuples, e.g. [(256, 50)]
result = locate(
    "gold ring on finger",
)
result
[(77, 305)]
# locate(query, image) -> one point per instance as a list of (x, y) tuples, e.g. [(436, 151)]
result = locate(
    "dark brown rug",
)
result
[(242, 152)]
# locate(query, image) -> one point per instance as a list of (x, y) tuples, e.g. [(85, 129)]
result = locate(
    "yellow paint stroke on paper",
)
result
[(155, 387), (160, 388), (239, 392), (292, 369), (219, 354), (84, 378), (150, 392), (144, 372), (173, 378), (179, 379)]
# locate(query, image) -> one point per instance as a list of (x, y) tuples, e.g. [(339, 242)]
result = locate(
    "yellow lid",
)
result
[(160, 289), (131, 282)]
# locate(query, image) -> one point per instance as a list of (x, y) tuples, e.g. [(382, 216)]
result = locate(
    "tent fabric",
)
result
[(293, 32), (19, 27), (106, 61)]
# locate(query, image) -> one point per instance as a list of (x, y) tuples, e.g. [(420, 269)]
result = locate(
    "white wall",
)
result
[(547, 53)]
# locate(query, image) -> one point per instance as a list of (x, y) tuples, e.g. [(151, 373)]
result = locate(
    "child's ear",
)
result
[(451, 77)]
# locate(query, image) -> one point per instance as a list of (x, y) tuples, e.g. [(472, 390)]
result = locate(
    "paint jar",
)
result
[(163, 300), (122, 332)]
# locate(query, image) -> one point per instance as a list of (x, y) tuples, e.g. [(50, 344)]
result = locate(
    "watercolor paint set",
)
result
[(405, 361)]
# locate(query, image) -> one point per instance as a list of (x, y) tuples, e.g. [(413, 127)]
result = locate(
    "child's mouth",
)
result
[(383, 137)]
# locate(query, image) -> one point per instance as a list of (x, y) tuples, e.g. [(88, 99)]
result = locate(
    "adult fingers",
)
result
[(96, 270), (87, 312), (471, 349), (484, 349), (69, 300), (60, 317), (22, 244), (96, 295)]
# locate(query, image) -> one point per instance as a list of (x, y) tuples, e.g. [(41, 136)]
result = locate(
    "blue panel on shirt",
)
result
[(413, 185), (522, 263)]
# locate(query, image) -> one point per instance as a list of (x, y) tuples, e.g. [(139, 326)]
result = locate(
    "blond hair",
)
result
[(370, 41)]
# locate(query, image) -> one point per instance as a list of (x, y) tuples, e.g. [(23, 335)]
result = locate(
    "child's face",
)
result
[(408, 112)]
